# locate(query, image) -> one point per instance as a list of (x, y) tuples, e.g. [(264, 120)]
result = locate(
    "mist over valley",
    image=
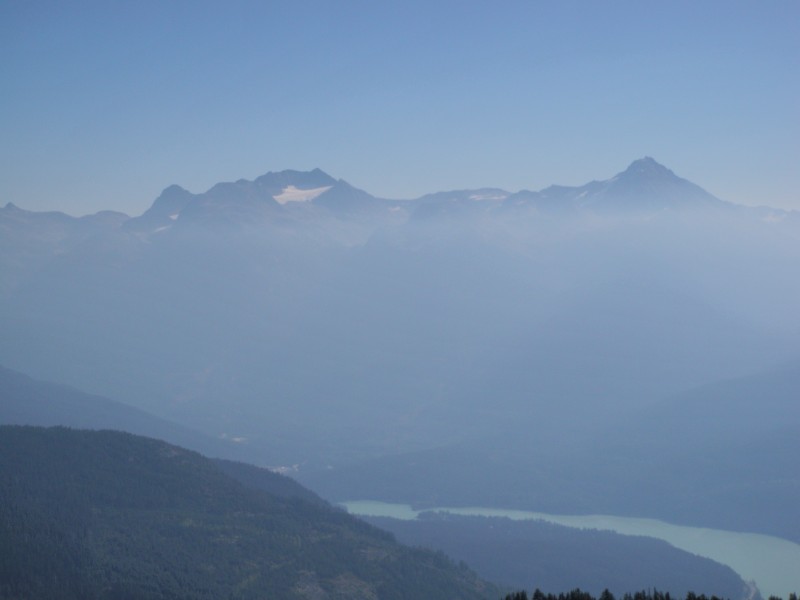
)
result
[(626, 347)]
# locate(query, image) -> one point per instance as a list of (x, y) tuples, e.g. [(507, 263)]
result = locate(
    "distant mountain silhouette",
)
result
[(291, 197), (645, 186), (284, 197), (27, 401)]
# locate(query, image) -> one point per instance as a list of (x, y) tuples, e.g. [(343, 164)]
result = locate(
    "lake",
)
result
[(771, 562)]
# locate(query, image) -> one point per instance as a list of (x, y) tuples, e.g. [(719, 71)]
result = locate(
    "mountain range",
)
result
[(570, 349), (280, 197)]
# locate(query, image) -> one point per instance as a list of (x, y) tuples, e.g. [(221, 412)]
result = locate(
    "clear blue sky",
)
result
[(106, 103)]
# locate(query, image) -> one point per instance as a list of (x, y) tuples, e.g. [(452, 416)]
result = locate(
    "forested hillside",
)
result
[(527, 554), (110, 515)]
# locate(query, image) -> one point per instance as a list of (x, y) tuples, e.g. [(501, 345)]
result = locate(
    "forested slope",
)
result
[(528, 554), (110, 515)]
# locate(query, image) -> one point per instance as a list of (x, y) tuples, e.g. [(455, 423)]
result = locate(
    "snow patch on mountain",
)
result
[(489, 196), (292, 194)]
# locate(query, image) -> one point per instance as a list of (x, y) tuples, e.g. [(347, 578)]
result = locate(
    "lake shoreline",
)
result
[(771, 562)]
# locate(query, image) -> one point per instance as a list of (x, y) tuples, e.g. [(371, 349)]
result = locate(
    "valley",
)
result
[(769, 562), (626, 347)]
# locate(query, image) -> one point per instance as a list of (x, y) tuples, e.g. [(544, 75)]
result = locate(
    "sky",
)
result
[(104, 104)]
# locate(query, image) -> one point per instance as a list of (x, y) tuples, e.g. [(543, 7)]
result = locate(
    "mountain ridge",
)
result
[(645, 185)]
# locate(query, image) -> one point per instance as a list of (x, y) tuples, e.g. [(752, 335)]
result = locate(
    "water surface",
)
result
[(771, 562)]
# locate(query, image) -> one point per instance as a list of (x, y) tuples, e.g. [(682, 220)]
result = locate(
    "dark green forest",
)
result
[(527, 554), (103, 514), (578, 594), (106, 514)]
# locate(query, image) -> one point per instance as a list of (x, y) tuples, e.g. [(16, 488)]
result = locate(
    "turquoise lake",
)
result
[(771, 562)]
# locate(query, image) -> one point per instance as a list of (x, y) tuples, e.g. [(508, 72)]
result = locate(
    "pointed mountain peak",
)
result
[(173, 191), (173, 198), (646, 186), (320, 173), (164, 210), (649, 185), (647, 167)]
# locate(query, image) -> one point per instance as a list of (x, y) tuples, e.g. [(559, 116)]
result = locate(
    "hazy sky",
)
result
[(106, 103)]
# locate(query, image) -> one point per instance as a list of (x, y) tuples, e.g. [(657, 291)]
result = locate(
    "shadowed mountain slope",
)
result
[(111, 515), (27, 401), (528, 554)]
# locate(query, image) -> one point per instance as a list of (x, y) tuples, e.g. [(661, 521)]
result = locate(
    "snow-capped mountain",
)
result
[(289, 198), (274, 198)]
